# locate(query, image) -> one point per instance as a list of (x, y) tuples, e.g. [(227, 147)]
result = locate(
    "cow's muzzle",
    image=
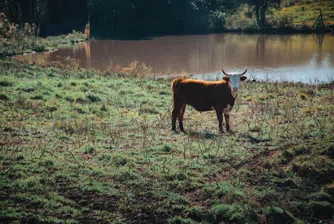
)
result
[(235, 92)]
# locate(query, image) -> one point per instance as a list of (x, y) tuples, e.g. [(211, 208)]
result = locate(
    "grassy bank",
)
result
[(84, 147), (304, 13), (293, 16), (21, 43)]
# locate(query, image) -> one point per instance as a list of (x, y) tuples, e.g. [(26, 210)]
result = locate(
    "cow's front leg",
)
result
[(227, 120), (219, 112)]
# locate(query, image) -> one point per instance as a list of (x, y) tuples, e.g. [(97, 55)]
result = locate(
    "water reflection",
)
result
[(260, 47), (287, 55)]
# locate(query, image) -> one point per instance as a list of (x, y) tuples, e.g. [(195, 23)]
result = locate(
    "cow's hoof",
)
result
[(231, 132)]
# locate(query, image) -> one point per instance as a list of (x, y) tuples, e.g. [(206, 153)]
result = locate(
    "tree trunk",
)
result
[(257, 14), (263, 16), (263, 13), (26, 10)]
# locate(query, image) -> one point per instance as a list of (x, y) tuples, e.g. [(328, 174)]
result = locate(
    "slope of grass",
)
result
[(306, 12), (79, 146)]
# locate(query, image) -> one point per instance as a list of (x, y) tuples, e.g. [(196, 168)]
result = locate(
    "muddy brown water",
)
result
[(307, 58)]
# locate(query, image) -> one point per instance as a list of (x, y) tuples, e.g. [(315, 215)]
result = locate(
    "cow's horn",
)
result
[(225, 73), (244, 72)]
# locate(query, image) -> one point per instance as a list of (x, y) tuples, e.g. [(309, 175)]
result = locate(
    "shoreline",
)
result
[(273, 31), (50, 43), (32, 45)]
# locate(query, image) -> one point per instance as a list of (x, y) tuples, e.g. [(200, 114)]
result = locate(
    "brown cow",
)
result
[(205, 96)]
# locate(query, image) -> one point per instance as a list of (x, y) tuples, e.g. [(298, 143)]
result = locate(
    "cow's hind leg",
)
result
[(180, 117), (219, 112), (175, 113), (227, 120)]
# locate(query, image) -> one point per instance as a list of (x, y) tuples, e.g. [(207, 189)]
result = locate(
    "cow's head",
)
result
[(234, 79)]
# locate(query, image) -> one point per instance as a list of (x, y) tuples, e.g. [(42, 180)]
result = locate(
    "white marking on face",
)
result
[(234, 83), (235, 79)]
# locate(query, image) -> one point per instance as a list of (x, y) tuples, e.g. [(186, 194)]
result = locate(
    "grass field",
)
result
[(78, 146)]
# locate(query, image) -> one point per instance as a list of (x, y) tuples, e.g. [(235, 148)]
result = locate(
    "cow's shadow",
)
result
[(206, 134), (254, 140)]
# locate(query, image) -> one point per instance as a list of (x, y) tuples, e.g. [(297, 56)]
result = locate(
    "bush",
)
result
[(242, 19), (321, 209), (90, 150), (37, 97), (279, 20), (4, 97), (277, 215), (167, 148), (321, 196), (180, 220), (330, 151), (329, 188), (228, 213), (93, 98), (217, 21), (5, 83), (195, 213)]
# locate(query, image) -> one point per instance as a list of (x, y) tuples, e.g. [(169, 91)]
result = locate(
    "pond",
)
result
[(306, 58)]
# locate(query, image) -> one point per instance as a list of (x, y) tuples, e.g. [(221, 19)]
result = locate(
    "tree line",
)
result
[(130, 17)]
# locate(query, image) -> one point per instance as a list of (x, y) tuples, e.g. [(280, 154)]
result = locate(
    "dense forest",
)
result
[(144, 17)]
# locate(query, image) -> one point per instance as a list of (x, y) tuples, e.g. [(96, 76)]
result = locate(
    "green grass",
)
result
[(306, 12), (90, 148), (292, 16)]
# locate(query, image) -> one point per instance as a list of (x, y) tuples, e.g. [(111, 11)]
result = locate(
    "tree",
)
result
[(261, 7)]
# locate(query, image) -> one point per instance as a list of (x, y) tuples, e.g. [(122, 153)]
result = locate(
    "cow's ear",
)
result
[(227, 79), (243, 78)]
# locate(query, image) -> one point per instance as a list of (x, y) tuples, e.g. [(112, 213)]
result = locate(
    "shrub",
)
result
[(81, 100), (103, 108), (242, 19), (5, 83), (279, 20), (69, 99), (37, 97), (321, 209), (217, 21), (167, 148), (93, 98), (228, 213), (330, 189), (120, 160), (180, 220), (4, 97), (330, 151), (90, 150), (195, 213), (321, 196), (277, 215), (80, 110)]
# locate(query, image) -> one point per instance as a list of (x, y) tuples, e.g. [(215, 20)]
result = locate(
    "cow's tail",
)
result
[(176, 84)]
